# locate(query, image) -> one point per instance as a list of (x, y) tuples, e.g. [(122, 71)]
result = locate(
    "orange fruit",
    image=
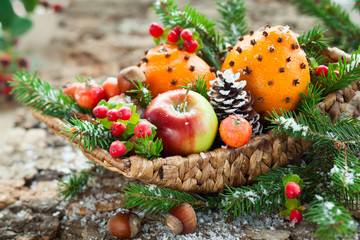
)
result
[(274, 66), (166, 67)]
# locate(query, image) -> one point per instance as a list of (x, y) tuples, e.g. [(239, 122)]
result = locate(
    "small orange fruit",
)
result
[(166, 67), (274, 66), (235, 131)]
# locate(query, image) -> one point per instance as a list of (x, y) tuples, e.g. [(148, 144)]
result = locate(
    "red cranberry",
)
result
[(117, 149), (100, 112), (57, 8), (172, 37), (156, 30), (186, 34), (124, 113), (321, 69), (292, 190), (112, 115), (296, 216), (191, 45), (117, 129), (178, 30), (142, 128)]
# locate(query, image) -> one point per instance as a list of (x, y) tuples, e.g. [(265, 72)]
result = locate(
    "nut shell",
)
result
[(181, 219), (127, 75), (124, 225)]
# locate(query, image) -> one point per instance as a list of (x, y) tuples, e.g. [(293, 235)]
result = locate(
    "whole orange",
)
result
[(274, 66), (235, 131), (166, 67)]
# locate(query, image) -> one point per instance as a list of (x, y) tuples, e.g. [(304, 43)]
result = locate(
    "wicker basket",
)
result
[(210, 171)]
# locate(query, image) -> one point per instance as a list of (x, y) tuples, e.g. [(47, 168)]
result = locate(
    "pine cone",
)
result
[(228, 97)]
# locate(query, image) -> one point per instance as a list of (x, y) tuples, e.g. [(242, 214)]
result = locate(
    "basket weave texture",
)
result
[(209, 171)]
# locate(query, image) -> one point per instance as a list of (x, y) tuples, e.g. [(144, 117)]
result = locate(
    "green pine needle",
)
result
[(142, 93), (148, 147), (154, 200), (91, 134), (332, 219), (76, 183), (199, 86), (39, 95), (232, 20)]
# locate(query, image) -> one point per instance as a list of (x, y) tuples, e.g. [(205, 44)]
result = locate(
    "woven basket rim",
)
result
[(136, 166)]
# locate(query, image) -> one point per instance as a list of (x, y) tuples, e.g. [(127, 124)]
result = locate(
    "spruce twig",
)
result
[(142, 93), (233, 19), (199, 86), (76, 183), (154, 200), (149, 147), (39, 95)]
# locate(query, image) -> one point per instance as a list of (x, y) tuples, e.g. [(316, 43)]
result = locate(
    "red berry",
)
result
[(172, 37), (296, 216), (112, 115), (186, 34), (321, 69), (143, 128), (22, 62), (337, 73), (5, 60), (100, 112), (117, 149), (124, 113), (178, 30), (117, 129), (191, 45), (57, 8), (156, 30), (292, 190)]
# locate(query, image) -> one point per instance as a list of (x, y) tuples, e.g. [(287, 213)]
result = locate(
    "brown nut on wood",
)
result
[(181, 219), (127, 75), (124, 225)]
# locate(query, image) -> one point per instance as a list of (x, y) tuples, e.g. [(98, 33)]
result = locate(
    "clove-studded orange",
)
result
[(274, 66), (166, 67)]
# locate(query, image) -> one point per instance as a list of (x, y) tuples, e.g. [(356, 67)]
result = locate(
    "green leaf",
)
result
[(292, 178), (30, 5), (292, 204), (6, 13), (19, 26), (285, 212), (301, 208), (129, 146), (157, 41), (134, 119)]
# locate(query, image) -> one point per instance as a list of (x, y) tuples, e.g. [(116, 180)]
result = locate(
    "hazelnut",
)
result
[(181, 219), (124, 225), (127, 75)]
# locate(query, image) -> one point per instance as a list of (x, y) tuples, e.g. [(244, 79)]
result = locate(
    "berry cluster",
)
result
[(7, 66), (177, 36), (293, 184), (118, 128)]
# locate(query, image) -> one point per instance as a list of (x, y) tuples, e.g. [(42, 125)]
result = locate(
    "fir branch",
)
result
[(148, 147), (348, 74), (266, 193), (170, 16), (314, 38), (91, 134), (199, 86), (333, 220), (346, 33), (142, 93), (233, 19), (39, 95), (76, 183), (154, 200)]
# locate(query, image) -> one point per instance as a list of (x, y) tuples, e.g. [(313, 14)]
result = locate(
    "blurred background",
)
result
[(69, 38)]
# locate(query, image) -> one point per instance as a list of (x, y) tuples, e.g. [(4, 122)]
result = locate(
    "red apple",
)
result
[(110, 86), (190, 130)]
